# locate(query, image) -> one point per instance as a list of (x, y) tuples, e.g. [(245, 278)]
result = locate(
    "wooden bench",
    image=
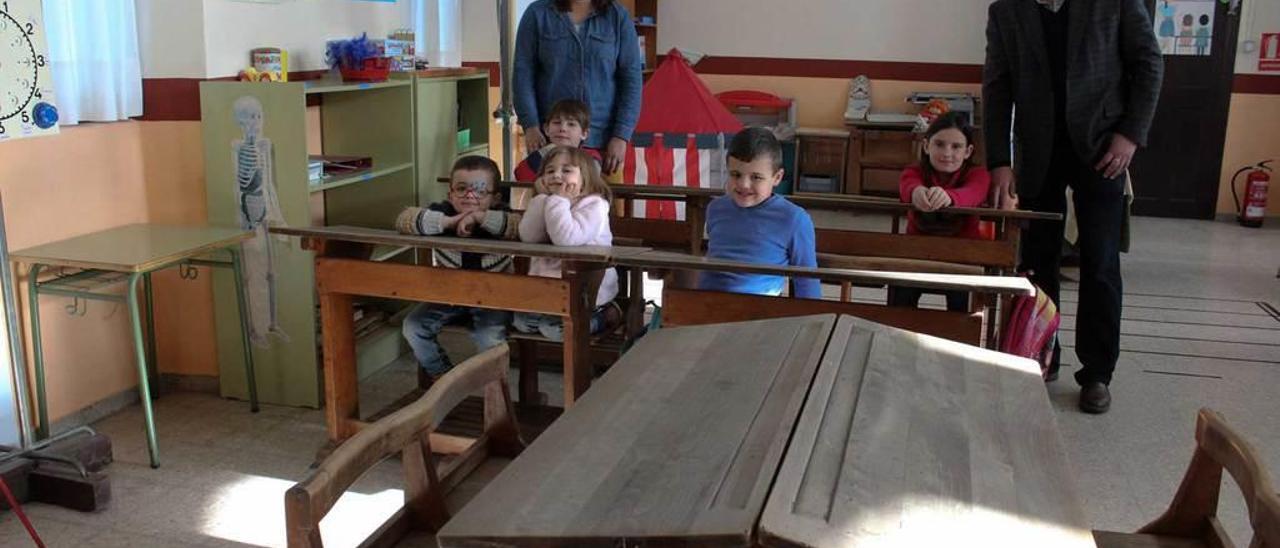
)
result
[(692, 307), (411, 433), (1191, 520)]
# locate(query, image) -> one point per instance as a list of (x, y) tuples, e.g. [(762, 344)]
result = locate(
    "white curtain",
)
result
[(437, 25), (93, 51)]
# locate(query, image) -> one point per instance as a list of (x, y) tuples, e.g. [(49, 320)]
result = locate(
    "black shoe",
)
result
[(1095, 398), (1051, 375)]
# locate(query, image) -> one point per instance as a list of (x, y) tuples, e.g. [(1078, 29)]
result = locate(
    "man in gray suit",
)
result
[(1084, 77)]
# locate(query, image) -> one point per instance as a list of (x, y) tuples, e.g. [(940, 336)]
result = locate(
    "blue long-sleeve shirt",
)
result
[(599, 66), (774, 232)]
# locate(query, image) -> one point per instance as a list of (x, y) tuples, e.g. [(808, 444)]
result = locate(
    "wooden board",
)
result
[(807, 201), (472, 245), (993, 253), (688, 307), (457, 287), (132, 248), (1005, 285), (677, 443), (910, 440)]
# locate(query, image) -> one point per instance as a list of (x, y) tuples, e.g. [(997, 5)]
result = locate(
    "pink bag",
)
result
[(1032, 329)]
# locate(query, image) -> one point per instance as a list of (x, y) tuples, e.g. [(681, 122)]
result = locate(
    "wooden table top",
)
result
[(132, 248), (910, 440), (679, 440), (470, 245)]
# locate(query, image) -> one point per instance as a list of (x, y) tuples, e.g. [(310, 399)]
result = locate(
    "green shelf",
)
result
[(327, 86), (474, 149), (357, 178)]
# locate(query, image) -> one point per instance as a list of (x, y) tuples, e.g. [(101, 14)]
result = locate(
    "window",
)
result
[(93, 51)]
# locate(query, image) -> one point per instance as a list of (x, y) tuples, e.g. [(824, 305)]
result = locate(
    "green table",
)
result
[(129, 254)]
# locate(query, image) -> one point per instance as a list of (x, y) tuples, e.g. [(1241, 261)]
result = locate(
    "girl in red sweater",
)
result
[(945, 178)]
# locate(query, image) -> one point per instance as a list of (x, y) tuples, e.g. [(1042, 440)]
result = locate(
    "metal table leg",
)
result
[(144, 389), (153, 364), (37, 351), (244, 330)]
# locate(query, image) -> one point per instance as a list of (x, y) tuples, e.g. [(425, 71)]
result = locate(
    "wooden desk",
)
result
[(128, 254), (907, 440), (902, 438), (994, 285), (678, 442), (343, 272)]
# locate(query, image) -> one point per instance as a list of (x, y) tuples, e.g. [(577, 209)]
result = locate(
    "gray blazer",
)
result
[(1114, 70)]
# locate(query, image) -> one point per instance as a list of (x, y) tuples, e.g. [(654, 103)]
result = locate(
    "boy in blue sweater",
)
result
[(750, 224)]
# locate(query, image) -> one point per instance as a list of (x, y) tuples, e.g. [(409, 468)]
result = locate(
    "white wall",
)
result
[(927, 31), (1257, 17), (299, 26), (171, 38), (480, 30)]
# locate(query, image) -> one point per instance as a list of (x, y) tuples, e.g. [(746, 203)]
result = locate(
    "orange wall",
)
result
[(92, 177), (1253, 134)]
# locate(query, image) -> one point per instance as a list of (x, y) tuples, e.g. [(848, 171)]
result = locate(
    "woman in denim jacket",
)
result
[(585, 50)]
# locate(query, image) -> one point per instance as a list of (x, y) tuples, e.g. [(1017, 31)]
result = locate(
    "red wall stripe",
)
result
[(179, 98)]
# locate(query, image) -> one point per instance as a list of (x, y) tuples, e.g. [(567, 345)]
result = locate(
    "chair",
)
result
[(410, 432), (1191, 519)]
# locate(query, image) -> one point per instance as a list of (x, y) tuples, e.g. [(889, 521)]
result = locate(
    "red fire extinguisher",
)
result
[(1254, 208)]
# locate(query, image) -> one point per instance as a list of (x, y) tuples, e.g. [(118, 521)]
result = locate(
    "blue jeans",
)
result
[(424, 322), (552, 327)]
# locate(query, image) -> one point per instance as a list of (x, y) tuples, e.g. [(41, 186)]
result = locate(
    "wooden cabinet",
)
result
[(823, 155), (879, 151)]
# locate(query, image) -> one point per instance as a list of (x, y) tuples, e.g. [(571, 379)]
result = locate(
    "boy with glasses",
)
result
[(473, 209)]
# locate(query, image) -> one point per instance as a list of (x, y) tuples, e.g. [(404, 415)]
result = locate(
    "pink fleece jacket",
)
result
[(556, 220)]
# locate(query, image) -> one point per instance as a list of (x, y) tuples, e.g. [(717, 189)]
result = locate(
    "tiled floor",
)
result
[(1194, 335)]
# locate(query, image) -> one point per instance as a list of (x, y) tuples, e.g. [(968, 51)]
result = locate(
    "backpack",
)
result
[(1032, 328)]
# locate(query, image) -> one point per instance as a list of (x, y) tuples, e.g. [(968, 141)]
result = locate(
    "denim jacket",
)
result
[(600, 67)]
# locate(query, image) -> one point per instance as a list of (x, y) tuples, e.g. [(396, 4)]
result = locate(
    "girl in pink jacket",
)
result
[(571, 208)]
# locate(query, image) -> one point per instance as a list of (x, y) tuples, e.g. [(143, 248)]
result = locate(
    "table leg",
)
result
[(341, 393), (144, 388), (37, 352), (153, 365), (695, 212), (577, 331), (243, 307)]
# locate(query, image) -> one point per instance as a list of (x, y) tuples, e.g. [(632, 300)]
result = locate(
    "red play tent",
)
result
[(680, 139)]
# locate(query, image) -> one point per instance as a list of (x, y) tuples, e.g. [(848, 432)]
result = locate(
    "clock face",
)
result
[(19, 66)]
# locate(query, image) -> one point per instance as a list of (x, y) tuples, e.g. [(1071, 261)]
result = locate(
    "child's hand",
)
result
[(451, 223), (939, 198), (920, 198), (541, 186), (569, 189), (468, 223)]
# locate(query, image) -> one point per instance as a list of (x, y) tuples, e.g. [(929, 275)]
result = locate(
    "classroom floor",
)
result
[(1196, 333)]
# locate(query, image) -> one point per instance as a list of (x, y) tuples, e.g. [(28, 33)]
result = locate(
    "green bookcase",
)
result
[(374, 120), (446, 101)]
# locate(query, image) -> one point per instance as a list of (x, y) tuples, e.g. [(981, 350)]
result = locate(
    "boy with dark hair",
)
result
[(568, 124), (750, 224), (473, 209)]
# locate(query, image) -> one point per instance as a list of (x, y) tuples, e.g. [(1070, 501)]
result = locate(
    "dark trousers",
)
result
[(909, 297), (1099, 206)]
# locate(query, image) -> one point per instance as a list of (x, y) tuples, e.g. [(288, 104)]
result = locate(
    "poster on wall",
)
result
[(258, 209), (1269, 52), (26, 89), (1185, 27)]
